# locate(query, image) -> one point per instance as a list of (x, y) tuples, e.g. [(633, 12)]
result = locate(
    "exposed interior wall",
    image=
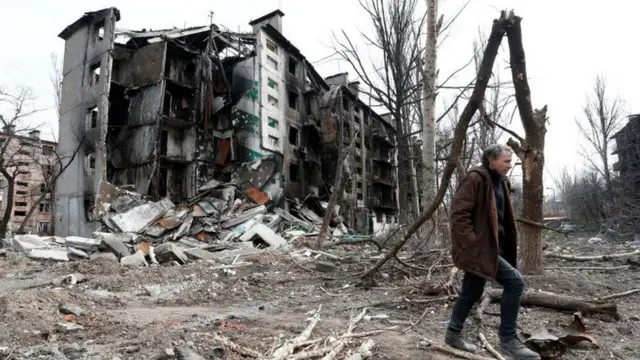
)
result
[(85, 95)]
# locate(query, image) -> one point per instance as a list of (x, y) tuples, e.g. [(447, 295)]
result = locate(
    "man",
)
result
[(484, 245)]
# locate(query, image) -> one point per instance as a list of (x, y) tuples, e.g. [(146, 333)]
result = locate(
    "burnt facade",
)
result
[(165, 112), (627, 148)]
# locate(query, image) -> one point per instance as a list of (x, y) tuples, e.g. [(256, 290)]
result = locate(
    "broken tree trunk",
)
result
[(530, 150), (336, 193), (560, 302), (460, 133)]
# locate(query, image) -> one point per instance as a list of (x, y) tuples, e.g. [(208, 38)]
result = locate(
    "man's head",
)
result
[(498, 158)]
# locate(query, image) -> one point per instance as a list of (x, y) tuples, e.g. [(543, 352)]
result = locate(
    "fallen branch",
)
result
[(489, 348), (560, 302), (542, 226), (452, 351), (364, 351), (290, 346), (592, 268), (480, 310), (344, 340), (619, 295), (591, 257), (245, 351), (460, 133)]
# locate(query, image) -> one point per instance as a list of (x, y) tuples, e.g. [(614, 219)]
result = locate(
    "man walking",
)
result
[(484, 245)]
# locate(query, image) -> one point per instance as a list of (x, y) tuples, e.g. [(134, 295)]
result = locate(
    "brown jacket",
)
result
[(474, 226)]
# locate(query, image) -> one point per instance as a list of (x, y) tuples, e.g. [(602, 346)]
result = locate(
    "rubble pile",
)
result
[(224, 220)]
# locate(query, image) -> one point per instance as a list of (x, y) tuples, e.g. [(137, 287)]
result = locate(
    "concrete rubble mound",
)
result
[(222, 221)]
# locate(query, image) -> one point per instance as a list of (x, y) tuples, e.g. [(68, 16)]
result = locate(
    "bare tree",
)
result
[(459, 134), (601, 119), (56, 80)]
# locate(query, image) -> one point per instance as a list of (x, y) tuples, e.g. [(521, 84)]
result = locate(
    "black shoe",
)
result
[(454, 340), (514, 348)]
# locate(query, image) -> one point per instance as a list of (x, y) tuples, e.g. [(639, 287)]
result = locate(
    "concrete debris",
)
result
[(69, 308), (186, 353), (225, 220), (68, 327)]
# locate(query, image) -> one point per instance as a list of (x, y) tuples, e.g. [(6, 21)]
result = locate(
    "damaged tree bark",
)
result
[(530, 150), (477, 96)]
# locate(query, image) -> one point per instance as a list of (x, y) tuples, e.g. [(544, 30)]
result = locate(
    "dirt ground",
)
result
[(137, 313)]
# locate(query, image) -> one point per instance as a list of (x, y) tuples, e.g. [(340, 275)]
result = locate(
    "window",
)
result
[(24, 152), (22, 193), (272, 62), (274, 141), (272, 47), (48, 150), (359, 196), (273, 123), (19, 213), (294, 173), (293, 100), (21, 204), (22, 183), (90, 164), (45, 207), (2, 142), (345, 103), (43, 227), (91, 120), (94, 74), (293, 66), (98, 31), (23, 172), (272, 84), (293, 135), (272, 101)]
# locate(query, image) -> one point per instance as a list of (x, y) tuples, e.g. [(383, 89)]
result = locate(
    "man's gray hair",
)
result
[(493, 151)]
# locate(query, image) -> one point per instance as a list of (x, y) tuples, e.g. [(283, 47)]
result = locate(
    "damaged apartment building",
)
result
[(168, 112)]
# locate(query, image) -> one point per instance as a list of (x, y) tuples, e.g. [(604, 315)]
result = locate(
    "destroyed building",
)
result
[(627, 148), (166, 112)]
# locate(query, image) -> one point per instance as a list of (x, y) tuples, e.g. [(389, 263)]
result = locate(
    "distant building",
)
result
[(627, 148), (33, 161)]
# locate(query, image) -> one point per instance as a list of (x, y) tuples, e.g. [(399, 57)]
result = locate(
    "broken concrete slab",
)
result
[(82, 243), (103, 255), (69, 308), (184, 228), (137, 259), (23, 243), (266, 234), (200, 254), (115, 243), (138, 218), (155, 230), (244, 217), (168, 252), (48, 254), (76, 254)]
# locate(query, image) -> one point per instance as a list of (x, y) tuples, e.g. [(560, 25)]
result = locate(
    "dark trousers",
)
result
[(472, 289)]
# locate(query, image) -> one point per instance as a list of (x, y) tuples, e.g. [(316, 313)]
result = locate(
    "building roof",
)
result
[(87, 18), (267, 16), (284, 42)]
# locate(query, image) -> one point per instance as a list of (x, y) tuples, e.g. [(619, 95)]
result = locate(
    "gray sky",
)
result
[(567, 43)]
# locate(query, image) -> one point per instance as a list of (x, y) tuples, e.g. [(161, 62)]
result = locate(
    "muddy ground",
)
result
[(137, 313)]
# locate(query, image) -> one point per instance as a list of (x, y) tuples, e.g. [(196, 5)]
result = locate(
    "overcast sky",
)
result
[(567, 43)]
